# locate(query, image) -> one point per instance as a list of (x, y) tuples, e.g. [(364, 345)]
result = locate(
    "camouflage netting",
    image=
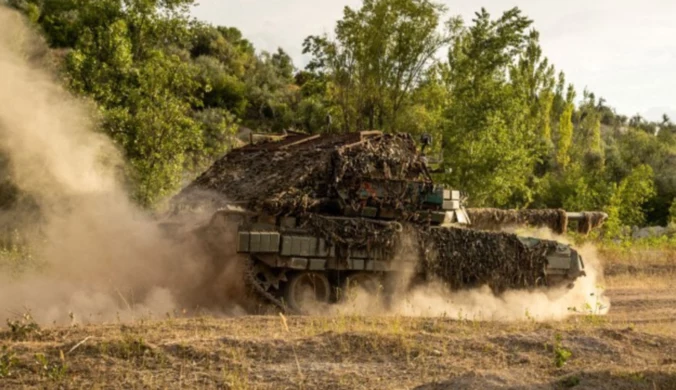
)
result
[(301, 175), (555, 219), (471, 258), (459, 257), (354, 232), (591, 220), (495, 219)]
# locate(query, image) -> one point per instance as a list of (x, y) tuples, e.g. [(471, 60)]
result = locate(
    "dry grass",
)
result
[(639, 262), (344, 352), (632, 347)]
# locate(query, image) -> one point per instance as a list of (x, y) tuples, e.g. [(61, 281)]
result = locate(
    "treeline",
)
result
[(173, 92)]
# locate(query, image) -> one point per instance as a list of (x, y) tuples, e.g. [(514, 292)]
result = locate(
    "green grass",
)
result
[(8, 361), (561, 353)]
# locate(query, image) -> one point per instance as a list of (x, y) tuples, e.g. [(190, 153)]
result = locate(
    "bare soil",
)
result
[(632, 347)]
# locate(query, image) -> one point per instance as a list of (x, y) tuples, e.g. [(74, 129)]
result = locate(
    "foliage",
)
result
[(8, 361), (565, 137), (632, 193), (561, 354), (167, 89), (379, 56), (271, 93), (625, 205), (173, 92), (499, 91), (23, 328), (53, 370)]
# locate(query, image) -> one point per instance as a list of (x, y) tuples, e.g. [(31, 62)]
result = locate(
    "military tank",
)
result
[(311, 217)]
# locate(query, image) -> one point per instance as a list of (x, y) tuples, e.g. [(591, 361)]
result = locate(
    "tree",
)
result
[(666, 121), (636, 148), (565, 137), (632, 193), (224, 44), (220, 87), (131, 58), (172, 91), (271, 92), (625, 205), (672, 212), (588, 141), (425, 113), (380, 53), (499, 96)]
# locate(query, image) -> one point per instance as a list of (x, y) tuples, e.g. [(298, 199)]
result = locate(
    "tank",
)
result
[(310, 217)]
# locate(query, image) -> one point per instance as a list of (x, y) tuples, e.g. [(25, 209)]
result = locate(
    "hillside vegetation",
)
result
[(173, 92), (101, 298)]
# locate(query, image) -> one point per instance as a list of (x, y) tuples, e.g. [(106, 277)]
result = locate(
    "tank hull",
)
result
[(284, 253)]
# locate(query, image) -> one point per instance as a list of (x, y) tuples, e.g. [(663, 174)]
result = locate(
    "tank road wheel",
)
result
[(360, 282), (367, 281), (264, 283), (307, 290)]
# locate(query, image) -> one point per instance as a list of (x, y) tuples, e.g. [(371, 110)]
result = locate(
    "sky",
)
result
[(622, 50)]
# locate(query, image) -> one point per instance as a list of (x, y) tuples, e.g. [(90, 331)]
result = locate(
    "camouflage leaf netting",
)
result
[(592, 220), (304, 173), (354, 232), (554, 219), (393, 160), (459, 257), (495, 219), (471, 258), (304, 176)]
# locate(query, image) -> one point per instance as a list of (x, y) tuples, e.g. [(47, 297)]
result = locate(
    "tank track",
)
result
[(254, 285)]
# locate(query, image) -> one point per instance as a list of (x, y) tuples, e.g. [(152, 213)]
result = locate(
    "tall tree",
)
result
[(380, 53), (499, 95), (130, 57), (565, 137), (271, 92)]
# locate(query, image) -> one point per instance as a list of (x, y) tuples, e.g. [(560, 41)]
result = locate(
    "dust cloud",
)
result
[(481, 304), (105, 258)]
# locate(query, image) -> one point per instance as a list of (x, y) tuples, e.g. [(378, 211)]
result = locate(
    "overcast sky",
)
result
[(622, 50)]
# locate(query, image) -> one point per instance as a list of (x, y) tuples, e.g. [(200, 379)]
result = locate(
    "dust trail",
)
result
[(482, 304), (105, 258), (434, 300)]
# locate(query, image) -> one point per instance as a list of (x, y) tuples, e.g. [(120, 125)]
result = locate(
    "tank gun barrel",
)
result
[(555, 219), (581, 215)]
